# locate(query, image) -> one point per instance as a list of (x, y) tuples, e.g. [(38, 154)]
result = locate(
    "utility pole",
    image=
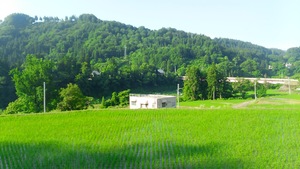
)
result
[(214, 93), (289, 86), (255, 96), (44, 97), (178, 94)]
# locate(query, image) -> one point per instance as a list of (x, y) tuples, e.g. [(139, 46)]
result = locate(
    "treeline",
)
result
[(213, 84), (103, 57)]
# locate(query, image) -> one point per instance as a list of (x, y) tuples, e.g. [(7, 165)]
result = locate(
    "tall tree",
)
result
[(73, 99), (212, 81), (191, 88), (7, 89), (29, 84)]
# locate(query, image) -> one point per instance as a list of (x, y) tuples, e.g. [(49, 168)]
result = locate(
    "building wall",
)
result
[(151, 102), (142, 103), (167, 102)]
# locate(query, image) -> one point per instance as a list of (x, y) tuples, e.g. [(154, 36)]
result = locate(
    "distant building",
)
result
[(288, 65), (161, 71), (270, 67), (145, 101)]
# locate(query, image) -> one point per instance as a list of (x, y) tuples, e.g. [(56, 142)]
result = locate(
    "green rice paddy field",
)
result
[(166, 138)]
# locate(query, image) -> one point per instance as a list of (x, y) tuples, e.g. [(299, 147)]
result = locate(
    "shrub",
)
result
[(73, 99), (114, 99), (124, 97), (261, 90), (117, 99), (103, 103), (19, 105)]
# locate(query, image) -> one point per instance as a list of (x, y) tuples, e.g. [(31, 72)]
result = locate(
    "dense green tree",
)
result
[(212, 80), (242, 86), (18, 20), (225, 67), (124, 97), (261, 90), (29, 83), (73, 99), (103, 103), (117, 99), (223, 87), (7, 89), (114, 99), (191, 90), (250, 68), (18, 106), (292, 55)]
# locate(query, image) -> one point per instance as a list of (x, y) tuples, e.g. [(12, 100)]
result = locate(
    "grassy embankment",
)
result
[(274, 100)]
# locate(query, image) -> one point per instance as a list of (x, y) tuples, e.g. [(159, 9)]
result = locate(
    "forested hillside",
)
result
[(107, 56)]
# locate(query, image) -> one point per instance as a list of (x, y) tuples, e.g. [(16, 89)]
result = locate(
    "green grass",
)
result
[(277, 100), (217, 104), (167, 138), (274, 100)]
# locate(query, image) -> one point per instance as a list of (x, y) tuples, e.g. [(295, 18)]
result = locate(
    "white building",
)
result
[(144, 101)]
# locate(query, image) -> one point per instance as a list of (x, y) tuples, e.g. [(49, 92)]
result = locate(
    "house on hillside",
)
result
[(150, 101)]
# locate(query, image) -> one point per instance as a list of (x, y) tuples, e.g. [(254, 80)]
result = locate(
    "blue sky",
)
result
[(269, 23)]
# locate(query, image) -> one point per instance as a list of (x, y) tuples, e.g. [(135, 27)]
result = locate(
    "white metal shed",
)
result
[(150, 101)]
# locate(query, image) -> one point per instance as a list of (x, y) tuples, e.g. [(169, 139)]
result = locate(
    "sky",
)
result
[(268, 23)]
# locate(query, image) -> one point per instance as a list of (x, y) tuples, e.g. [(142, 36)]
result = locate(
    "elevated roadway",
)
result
[(292, 82)]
